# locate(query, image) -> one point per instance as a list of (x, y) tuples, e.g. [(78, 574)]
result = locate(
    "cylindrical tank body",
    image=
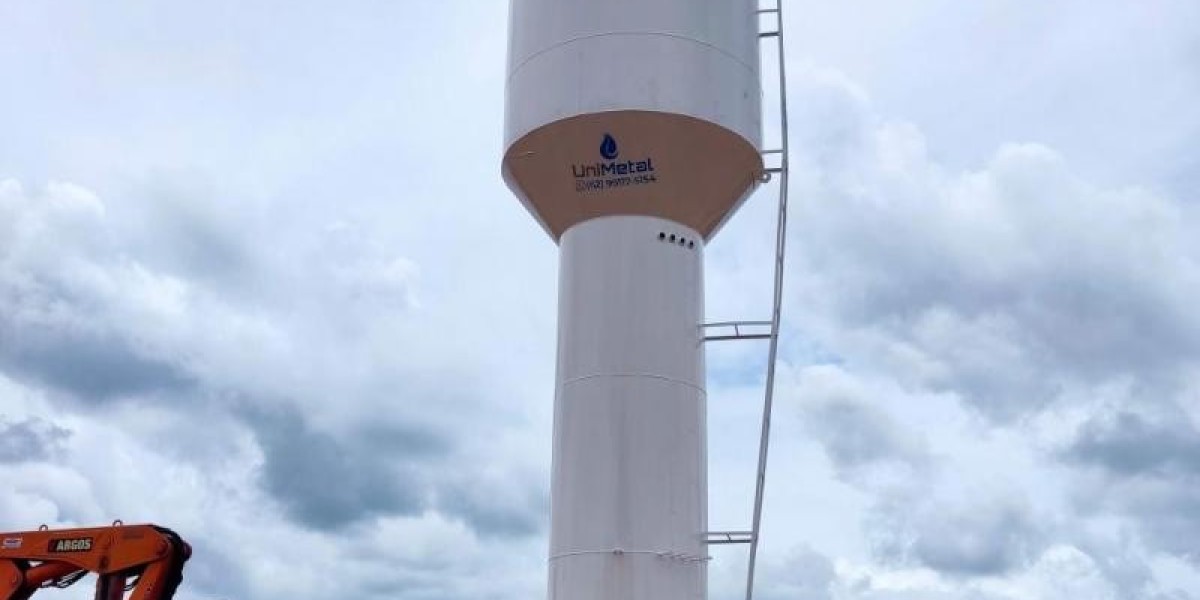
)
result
[(632, 133), (628, 491)]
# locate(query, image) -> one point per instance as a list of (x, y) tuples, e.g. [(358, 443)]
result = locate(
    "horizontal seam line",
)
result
[(684, 556), (646, 375), (531, 57)]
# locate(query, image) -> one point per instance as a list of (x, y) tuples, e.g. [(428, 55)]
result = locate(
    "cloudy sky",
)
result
[(260, 281)]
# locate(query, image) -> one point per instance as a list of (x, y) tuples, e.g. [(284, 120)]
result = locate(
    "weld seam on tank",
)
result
[(573, 380), (733, 57), (668, 554)]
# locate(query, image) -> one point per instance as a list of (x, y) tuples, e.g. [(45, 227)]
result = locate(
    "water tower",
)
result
[(632, 134)]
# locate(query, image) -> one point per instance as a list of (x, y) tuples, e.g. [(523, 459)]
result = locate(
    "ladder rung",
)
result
[(728, 537), (738, 328), (763, 323), (767, 34), (745, 336)]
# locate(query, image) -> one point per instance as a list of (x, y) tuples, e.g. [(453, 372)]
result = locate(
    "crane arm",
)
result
[(151, 555)]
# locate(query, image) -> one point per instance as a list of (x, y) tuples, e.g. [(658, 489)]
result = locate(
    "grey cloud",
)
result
[(977, 543), (74, 326), (91, 366), (855, 434), (213, 570), (843, 416), (186, 226), (1167, 515), (30, 440), (987, 536), (1016, 287), (804, 574), (1012, 283), (1123, 566), (507, 508), (1171, 595), (327, 483), (1128, 444), (62, 322), (1147, 468)]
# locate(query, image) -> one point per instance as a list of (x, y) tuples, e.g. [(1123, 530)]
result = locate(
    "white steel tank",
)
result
[(632, 134)]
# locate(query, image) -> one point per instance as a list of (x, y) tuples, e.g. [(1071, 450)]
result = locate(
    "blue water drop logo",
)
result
[(608, 147)]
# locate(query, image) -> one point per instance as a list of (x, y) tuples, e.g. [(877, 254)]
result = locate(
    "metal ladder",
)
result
[(768, 330)]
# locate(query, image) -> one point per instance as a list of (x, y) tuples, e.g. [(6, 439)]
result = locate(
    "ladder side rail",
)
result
[(776, 312)]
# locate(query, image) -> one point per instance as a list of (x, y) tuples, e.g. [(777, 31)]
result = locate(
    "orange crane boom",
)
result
[(146, 559)]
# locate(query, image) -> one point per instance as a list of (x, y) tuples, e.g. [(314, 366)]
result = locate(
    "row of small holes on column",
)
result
[(676, 239)]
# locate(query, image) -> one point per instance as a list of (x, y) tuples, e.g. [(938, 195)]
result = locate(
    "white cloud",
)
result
[(1017, 291), (1004, 284)]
